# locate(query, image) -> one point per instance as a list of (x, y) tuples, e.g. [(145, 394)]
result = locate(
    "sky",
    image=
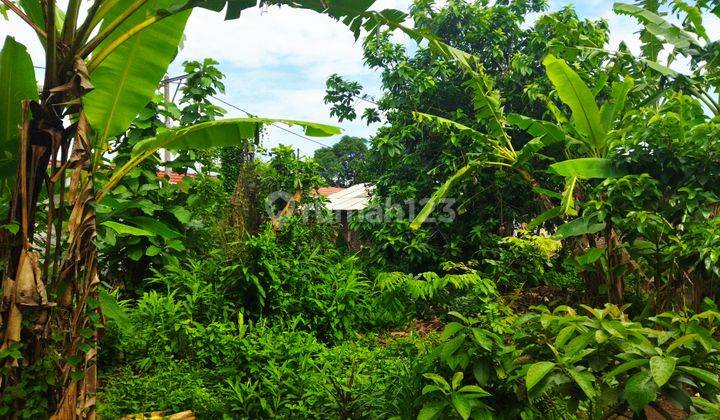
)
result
[(277, 60)]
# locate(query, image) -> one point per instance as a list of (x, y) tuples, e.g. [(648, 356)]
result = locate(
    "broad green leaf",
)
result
[(345, 10), (658, 26), (152, 251), (547, 136), (549, 132), (579, 343), (462, 406), (438, 380), (422, 117), (451, 329), (585, 380), (662, 369), (591, 255), (450, 347), (17, 83), (576, 95), (481, 338), (475, 390), (112, 310), (222, 133), (695, 17), (612, 109), (33, 9), (640, 390), (431, 411), (544, 217), (578, 227), (124, 229), (182, 214), (487, 104), (564, 335), (687, 338), (233, 8), (537, 372), (128, 78), (457, 380), (586, 168), (156, 227)]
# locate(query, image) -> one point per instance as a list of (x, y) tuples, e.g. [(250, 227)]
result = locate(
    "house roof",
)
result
[(356, 197), (328, 191), (175, 178)]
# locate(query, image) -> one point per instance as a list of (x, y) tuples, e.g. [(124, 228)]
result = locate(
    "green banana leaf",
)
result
[(658, 26), (576, 95), (221, 133), (229, 132), (128, 78), (586, 168), (17, 83)]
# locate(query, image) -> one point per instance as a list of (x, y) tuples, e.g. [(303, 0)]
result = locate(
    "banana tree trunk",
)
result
[(49, 308)]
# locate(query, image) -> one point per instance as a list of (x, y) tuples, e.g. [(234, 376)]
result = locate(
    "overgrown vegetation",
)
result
[(542, 239)]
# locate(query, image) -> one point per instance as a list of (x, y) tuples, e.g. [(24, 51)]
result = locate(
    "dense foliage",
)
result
[(578, 278), (542, 239)]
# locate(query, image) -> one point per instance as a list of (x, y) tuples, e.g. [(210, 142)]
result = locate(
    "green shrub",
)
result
[(176, 387), (596, 365), (306, 279), (272, 372), (528, 262)]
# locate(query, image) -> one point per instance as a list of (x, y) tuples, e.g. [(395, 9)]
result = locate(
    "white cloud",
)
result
[(277, 60)]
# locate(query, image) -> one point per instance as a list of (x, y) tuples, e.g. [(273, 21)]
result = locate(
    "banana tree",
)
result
[(586, 137), (103, 62)]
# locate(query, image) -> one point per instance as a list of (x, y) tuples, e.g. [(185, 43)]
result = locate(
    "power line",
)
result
[(273, 124)]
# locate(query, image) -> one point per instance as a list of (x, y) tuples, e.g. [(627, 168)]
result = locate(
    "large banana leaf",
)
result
[(128, 78), (537, 128), (346, 10), (17, 83), (34, 11), (658, 26), (222, 133), (586, 168), (233, 7), (576, 95), (545, 133)]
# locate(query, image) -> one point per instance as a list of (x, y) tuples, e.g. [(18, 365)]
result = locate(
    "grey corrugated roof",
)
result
[(356, 197)]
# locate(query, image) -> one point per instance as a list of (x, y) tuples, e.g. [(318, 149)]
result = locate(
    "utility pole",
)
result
[(166, 91)]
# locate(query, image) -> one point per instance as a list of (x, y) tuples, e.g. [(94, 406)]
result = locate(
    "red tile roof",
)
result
[(175, 178)]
